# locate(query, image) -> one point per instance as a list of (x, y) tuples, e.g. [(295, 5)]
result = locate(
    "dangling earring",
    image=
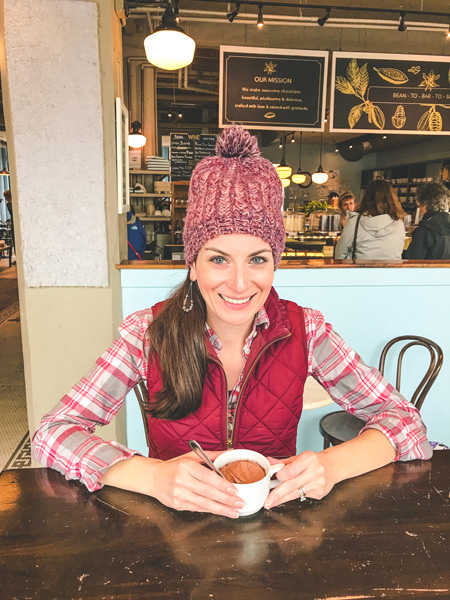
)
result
[(186, 298)]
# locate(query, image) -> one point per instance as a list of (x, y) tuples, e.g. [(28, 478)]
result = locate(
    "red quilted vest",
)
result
[(271, 397)]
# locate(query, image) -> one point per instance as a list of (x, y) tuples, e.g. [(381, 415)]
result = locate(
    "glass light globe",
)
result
[(283, 170), (298, 177), (285, 182), (136, 140), (169, 49), (319, 176)]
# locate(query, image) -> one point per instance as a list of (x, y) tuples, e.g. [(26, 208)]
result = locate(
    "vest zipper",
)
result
[(219, 364), (230, 442)]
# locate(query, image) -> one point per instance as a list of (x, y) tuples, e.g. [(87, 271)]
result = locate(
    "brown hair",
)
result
[(177, 342), (380, 198)]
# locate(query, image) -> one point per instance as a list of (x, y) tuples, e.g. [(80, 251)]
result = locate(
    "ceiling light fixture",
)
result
[(168, 47), (284, 171), (135, 137), (285, 182), (448, 33), (293, 139), (402, 25), (322, 20), (180, 115), (232, 15), (5, 172), (176, 12), (320, 176), (300, 177), (260, 22)]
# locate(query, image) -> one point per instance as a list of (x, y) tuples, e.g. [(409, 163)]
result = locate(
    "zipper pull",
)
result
[(230, 444)]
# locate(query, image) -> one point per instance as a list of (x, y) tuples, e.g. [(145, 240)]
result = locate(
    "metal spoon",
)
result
[(195, 447)]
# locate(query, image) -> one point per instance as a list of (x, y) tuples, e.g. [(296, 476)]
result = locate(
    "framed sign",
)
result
[(395, 93), (267, 88), (122, 157)]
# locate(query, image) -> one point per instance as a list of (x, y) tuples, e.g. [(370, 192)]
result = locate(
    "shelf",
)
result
[(163, 195), (155, 218), (145, 172)]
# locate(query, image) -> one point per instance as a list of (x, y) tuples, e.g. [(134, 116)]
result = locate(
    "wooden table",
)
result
[(383, 535)]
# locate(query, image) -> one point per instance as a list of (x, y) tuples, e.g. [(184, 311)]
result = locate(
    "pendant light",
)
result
[(285, 182), (320, 176), (135, 138), (168, 47), (301, 176), (284, 171)]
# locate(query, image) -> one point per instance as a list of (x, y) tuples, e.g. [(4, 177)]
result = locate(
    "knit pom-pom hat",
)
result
[(236, 191)]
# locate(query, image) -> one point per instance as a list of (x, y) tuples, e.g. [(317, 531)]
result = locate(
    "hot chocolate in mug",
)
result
[(253, 494)]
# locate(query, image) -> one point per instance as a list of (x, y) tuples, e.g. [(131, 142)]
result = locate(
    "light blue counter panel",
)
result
[(367, 307)]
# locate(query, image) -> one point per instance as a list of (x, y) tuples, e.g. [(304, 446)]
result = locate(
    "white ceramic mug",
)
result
[(253, 494)]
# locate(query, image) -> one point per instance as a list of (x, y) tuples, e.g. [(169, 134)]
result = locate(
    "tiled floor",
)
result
[(14, 436)]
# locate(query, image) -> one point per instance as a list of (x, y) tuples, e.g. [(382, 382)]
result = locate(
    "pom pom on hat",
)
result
[(236, 191)]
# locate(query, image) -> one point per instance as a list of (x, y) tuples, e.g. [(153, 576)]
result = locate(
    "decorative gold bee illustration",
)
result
[(429, 81), (356, 83), (399, 117), (270, 68), (392, 75), (414, 70)]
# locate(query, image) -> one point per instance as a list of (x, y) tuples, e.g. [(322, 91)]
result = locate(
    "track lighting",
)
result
[(135, 138), (260, 22), (320, 176), (284, 171), (402, 24), (322, 20), (168, 47), (232, 15)]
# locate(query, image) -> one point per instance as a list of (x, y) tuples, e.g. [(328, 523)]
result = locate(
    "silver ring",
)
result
[(302, 493)]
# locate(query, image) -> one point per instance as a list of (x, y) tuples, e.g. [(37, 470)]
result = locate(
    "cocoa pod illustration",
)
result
[(399, 118), (392, 75), (424, 121), (435, 121)]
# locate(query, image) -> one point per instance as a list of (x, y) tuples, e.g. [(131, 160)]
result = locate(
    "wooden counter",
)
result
[(308, 263)]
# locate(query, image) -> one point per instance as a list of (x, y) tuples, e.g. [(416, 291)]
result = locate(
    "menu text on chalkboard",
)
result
[(186, 150), (267, 88), (398, 93)]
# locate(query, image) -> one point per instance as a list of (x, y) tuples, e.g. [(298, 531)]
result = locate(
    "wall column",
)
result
[(61, 69)]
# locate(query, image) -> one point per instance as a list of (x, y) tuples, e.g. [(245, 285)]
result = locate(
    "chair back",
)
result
[(436, 359), (141, 391)]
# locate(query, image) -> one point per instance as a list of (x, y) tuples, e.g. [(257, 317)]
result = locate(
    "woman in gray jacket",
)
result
[(378, 221)]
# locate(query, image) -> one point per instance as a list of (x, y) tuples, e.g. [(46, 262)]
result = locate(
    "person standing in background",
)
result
[(377, 232), (431, 240), (7, 195), (137, 237), (346, 204)]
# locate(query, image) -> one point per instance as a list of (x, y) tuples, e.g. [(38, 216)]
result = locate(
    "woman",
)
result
[(225, 361), (380, 232), (346, 204), (431, 240)]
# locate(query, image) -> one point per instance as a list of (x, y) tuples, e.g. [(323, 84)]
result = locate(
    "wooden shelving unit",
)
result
[(180, 191)]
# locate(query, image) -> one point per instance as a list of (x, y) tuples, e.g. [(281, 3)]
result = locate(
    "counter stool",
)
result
[(340, 426)]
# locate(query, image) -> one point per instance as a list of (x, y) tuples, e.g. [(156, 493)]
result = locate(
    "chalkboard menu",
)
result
[(186, 150), (395, 93), (266, 88)]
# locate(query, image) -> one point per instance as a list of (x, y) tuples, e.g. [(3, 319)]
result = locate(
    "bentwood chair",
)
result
[(340, 426), (141, 391)]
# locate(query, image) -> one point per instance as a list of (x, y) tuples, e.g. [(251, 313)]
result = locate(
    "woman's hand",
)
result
[(312, 471), (318, 472), (182, 483)]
